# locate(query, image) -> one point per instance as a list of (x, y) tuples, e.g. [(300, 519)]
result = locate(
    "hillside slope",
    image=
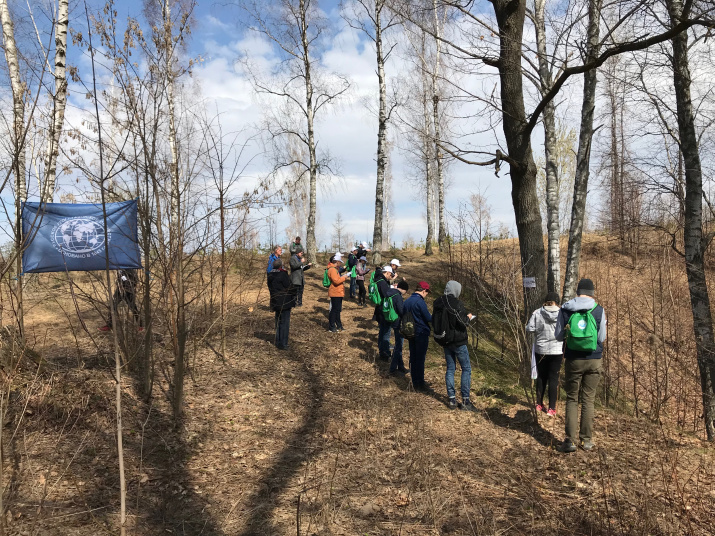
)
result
[(320, 439)]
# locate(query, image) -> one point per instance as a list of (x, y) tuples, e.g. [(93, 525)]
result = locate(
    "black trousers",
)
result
[(123, 295), (299, 294), (282, 328), (361, 291), (336, 307), (548, 367)]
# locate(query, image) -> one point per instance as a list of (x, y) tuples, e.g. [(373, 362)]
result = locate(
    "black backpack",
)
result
[(407, 328), (443, 332)]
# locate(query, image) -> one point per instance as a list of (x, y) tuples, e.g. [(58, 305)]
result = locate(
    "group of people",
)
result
[(574, 331)]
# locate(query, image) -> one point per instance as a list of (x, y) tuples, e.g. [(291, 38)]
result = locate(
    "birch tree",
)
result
[(298, 89), (58, 99), (373, 19)]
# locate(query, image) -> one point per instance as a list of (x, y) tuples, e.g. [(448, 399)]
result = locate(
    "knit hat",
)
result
[(553, 297), (585, 288), (402, 285)]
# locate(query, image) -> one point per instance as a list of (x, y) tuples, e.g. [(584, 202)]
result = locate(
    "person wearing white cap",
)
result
[(336, 292), (362, 250), (395, 264), (383, 335), (352, 261)]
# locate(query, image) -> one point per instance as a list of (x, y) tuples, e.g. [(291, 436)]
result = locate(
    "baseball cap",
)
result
[(354, 248), (395, 262), (364, 245), (423, 285), (338, 256), (387, 269), (363, 258)]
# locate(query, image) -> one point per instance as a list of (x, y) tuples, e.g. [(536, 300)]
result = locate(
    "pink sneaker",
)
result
[(551, 413), (539, 407)]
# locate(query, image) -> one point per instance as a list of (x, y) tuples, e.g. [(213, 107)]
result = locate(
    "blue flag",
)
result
[(70, 237)]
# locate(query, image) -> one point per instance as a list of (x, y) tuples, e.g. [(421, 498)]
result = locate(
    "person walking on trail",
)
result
[(548, 352), (418, 344), (125, 291), (382, 280), (297, 267), (581, 323), (283, 299), (296, 247), (395, 302), (336, 292), (277, 252), (362, 270), (449, 321), (352, 262)]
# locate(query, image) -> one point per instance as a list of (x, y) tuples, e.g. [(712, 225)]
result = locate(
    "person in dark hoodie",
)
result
[(383, 279), (297, 267), (548, 351), (582, 370), (352, 261), (455, 350), (420, 342), (396, 295), (283, 295)]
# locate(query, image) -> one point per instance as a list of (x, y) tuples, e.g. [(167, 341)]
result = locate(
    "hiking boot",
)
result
[(105, 328), (467, 405), (587, 445), (452, 403), (422, 387), (333, 330), (568, 446), (551, 413), (539, 407), (403, 370)]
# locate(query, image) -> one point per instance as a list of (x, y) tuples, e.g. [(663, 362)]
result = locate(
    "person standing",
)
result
[(283, 295), (382, 280), (581, 323), (297, 267), (362, 250), (295, 247), (396, 296), (449, 317), (548, 351), (336, 292), (125, 291), (362, 270), (418, 344), (352, 262), (277, 252)]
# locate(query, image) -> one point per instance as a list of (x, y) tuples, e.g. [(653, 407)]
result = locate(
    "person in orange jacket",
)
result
[(336, 292)]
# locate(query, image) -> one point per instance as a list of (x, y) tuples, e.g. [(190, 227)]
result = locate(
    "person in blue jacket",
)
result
[(277, 252), (396, 295), (420, 342)]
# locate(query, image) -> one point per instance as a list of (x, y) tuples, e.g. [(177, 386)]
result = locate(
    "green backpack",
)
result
[(326, 279), (582, 331), (374, 293), (388, 310), (353, 273)]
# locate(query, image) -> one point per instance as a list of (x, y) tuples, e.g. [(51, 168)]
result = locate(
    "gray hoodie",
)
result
[(543, 324), (453, 288)]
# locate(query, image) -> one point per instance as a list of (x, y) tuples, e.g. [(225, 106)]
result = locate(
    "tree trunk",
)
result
[(381, 141), (427, 140), (695, 244), (553, 277), (18, 147), (442, 226), (580, 189), (510, 18), (59, 101)]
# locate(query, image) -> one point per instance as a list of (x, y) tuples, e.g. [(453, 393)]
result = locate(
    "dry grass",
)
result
[(321, 440)]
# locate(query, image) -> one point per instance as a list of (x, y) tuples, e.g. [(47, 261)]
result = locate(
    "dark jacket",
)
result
[(352, 260), (423, 320), (581, 303), (283, 293), (361, 252), (295, 248), (398, 304), (382, 286), (296, 271), (456, 313)]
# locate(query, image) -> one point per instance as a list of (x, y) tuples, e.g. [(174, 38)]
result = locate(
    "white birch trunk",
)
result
[(377, 234), (59, 101), (442, 227), (427, 140), (553, 275)]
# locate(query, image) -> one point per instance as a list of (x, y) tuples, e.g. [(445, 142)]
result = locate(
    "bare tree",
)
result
[(296, 28)]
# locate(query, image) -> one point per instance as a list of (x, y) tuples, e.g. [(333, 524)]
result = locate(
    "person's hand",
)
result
[(470, 316)]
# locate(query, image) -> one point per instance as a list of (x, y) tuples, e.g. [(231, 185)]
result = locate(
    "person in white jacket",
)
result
[(549, 351)]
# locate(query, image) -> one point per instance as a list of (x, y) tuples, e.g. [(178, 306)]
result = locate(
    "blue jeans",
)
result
[(397, 362), (353, 286), (418, 353), (383, 338), (282, 328), (461, 354)]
